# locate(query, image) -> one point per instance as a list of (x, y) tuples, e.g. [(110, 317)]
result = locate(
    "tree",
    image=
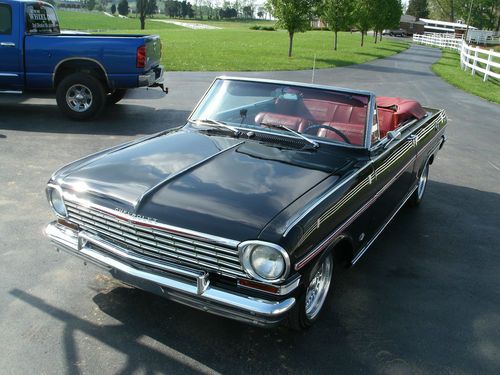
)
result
[(90, 4), (260, 13), (123, 7), (338, 16), (113, 9), (248, 11), (418, 8), (386, 15), (293, 16), (363, 16), (145, 8)]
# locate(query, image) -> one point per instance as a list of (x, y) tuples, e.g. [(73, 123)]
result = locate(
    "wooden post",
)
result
[(474, 64), (490, 57)]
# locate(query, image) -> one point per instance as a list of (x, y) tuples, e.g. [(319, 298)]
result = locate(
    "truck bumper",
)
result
[(153, 78), (180, 284)]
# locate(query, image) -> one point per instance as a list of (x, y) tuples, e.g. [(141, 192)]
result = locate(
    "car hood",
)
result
[(217, 185)]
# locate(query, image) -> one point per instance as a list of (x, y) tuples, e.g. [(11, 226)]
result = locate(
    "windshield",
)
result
[(41, 19), (318, 114)]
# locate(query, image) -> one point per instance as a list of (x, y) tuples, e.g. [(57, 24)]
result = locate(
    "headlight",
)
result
[(264, 261), (54, 195)]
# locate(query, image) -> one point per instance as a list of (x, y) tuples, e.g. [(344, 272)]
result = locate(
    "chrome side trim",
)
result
[(329, 239), (9, 75), (365, 248), (321, 199), (79, 58), (310, 208), (147, 223), (182, 171), (68, 240)]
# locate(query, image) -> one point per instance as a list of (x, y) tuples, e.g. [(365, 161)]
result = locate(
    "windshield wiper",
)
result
[(314, 144), (217, 123)]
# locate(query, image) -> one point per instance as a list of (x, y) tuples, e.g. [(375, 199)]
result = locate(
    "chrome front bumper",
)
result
[(181, 284)]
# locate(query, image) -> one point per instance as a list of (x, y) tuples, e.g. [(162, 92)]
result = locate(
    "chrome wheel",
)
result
[(422, 182), (79, 98), (318, 288)]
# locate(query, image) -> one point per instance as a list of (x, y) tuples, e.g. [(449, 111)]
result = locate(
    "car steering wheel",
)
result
[(336, 131)]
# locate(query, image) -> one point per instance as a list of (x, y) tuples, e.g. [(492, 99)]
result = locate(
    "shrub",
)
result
[(264, 28)]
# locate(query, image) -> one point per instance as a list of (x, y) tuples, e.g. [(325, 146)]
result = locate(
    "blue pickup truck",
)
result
[(85, 71)]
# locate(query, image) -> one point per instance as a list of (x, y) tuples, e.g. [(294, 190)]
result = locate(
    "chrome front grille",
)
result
[(158, 243)]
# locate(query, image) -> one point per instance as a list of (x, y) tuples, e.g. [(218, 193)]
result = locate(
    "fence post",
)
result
[(490, 57), (474, 64), (462, 56), (467, 59)]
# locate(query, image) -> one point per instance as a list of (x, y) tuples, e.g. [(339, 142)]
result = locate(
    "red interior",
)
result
[(349, 118), (392, 112)]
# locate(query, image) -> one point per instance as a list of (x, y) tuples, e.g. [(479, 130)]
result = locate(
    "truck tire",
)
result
[(80, 96), (115, 96)]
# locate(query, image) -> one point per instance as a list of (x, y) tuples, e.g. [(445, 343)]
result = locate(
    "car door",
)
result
[(394, 175), (11, 71)]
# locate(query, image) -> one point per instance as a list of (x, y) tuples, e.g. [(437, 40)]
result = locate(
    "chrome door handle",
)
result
[(7, 44)]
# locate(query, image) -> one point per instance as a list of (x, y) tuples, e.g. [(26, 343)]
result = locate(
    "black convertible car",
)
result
[(245, 210)]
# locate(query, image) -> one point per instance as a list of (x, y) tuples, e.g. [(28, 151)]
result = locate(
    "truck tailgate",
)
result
[(153, 51)]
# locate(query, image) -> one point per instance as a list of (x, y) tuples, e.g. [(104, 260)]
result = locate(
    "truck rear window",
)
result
[(41, 19), (5, 19)]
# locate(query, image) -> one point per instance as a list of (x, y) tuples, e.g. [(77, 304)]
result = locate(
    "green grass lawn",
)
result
[(99, 22), (237, 48), (448, 68)]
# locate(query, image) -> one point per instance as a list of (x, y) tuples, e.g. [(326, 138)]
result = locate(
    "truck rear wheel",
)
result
[(80, 96)]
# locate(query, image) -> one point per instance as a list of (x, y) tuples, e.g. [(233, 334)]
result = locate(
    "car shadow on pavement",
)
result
[(121, 119), (423, 300)]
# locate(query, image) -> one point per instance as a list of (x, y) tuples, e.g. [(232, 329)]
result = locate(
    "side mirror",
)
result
[(391, 136)]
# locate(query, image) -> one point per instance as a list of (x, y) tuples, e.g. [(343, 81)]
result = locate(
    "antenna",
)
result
[(314, 68)]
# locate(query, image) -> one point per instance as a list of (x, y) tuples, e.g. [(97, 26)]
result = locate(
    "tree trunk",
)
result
[(380, 33), (376, 35), (362, 38), (291, 44), (335, 44), (143, 22)]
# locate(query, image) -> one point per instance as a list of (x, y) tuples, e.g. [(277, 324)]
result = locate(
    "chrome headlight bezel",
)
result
[(248, 247), (50, 191)]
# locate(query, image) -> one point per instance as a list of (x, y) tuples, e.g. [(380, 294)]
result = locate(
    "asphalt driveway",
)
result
[(424, 299)]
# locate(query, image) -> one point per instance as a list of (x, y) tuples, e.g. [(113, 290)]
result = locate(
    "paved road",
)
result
[(425, 299)]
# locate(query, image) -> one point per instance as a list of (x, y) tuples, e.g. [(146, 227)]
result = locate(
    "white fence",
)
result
[(444, 41), (474, 58)]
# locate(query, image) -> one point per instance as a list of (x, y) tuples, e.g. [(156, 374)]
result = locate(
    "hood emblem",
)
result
[(135, 216)]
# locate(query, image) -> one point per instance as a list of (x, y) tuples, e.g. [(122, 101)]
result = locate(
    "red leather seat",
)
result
[(293, 122), (392, 112), (354, 132), (321, 111)]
